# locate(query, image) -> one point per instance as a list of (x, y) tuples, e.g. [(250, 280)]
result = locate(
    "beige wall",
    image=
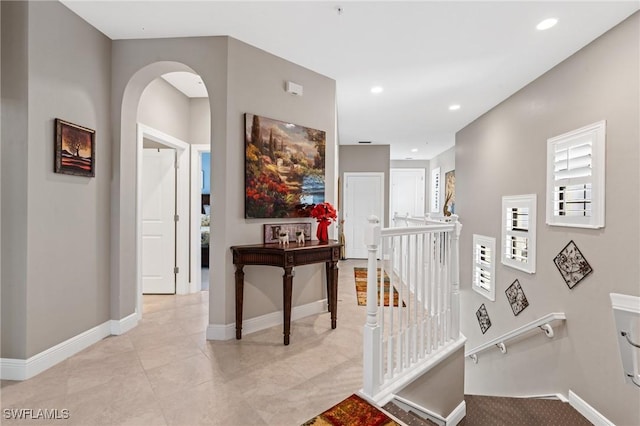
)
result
[(441, 389), (199, 121), (227, 68), (165, 108), (56, 229), (263, 93), (504, 153), (14, 178)]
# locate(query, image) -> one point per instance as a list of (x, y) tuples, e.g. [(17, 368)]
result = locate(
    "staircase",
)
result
[(502, 411)]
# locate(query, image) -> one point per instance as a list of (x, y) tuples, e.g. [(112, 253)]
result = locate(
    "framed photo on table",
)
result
[(272, 230)]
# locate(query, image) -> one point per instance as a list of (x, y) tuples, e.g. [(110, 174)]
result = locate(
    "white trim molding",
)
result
[(625, 302), (452, 419), (23, 369), (588, 411), (576, 177), (125, 324), (228, 331)]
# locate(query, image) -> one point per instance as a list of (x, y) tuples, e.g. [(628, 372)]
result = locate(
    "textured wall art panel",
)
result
[(572, 265)]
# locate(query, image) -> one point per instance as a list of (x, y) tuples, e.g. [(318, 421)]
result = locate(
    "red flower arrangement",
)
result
[(324, 213)]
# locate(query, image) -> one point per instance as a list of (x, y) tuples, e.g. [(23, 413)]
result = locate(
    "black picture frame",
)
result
[(75, 149)]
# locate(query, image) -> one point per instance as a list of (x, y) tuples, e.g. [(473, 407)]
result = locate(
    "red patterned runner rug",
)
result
[(361, 287), (353, 411)]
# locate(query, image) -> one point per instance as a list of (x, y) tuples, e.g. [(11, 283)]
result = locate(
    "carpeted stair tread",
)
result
[(499, 411), (503, 411)]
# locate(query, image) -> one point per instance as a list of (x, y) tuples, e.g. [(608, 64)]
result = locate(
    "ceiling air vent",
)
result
[(364, 141)]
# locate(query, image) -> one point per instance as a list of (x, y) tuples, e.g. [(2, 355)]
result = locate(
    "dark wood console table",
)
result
[(287, 257)]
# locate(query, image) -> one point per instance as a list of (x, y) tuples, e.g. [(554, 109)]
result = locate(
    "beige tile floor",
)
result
[(164, 372)]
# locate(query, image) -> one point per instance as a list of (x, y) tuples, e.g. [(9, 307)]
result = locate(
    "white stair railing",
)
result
[(412, 301)]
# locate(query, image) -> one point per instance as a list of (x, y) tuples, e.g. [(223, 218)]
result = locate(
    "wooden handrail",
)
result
[(544, 323)]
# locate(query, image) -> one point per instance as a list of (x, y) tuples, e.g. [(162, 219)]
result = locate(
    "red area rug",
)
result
[(361, 288), (353, 411)]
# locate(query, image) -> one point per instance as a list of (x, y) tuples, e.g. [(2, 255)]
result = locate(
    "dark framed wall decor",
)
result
[(572, 265), (483, 318), (74, 149), (516, 297)]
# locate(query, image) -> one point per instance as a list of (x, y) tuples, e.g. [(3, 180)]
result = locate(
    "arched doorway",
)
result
[(128, 295)]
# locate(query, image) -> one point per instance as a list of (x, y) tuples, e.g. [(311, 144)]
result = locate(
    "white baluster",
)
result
[(371, 334), (455, 278)]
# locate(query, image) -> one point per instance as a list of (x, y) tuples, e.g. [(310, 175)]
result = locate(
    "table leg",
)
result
[(327, 267), (287, 289), (333, 278), (239, 299)]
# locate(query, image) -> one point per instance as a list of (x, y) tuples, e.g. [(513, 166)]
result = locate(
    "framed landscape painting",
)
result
[(74, 149), (284, 168)]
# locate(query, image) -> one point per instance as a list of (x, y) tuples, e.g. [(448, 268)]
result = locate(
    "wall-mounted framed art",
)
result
[(572, 265), (284, 168), (74, 149)]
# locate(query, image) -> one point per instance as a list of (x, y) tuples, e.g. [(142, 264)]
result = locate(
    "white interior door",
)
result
[(158, 223), (407, 192), (363, 197)]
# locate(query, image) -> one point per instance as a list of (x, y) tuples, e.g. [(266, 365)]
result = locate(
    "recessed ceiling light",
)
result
[(414, 150), (376, 89), (546, 24), (454, 107)]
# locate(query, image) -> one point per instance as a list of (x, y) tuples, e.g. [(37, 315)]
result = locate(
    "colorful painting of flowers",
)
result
[(284, 168), (572, 265)]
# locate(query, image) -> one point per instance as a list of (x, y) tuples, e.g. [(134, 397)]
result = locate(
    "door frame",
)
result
[(347, 175), (182, 201), (196, 263), (424, 195)]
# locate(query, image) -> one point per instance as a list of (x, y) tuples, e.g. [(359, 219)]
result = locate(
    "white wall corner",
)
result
[(588, 411), (457, 414), (125, 324), (228, 331)]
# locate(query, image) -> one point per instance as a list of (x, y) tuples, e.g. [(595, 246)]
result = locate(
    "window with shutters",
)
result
[(435, 190), (484, 249), (519, 232), (575, 177)]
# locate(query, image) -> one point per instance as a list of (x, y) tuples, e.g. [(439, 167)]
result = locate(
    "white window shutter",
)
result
[(575, 177)]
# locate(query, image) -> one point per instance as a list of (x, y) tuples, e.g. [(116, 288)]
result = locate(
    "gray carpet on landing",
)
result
[(498, 411)]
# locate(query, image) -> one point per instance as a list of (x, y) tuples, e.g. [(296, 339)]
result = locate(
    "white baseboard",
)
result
[(251, 325), (23, 369), (457, 414), (588, 411), (125, 324), (558, 396), (452, 419)]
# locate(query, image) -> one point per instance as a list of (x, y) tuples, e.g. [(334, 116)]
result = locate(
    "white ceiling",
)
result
[(427, 55)]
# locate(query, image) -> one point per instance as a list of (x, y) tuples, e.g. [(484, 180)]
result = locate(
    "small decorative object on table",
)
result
[(325, 214), (283, 237), (300, 236)]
